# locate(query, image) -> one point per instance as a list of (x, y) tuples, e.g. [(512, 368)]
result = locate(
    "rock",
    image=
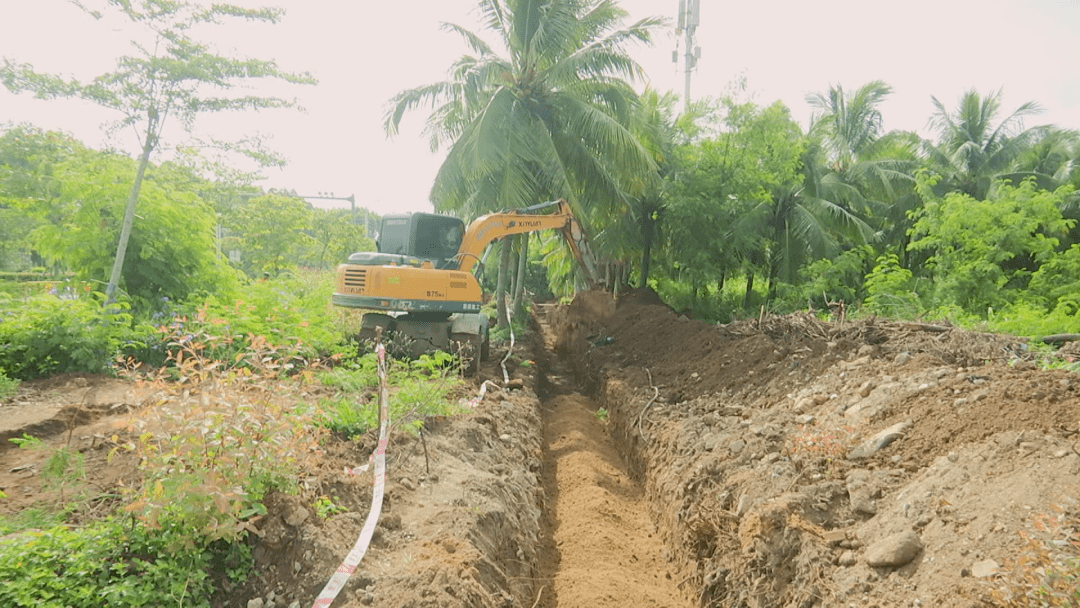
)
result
[(804, 419), (895, 550), (296, 516), (879, 441), (902, 358), (736, 446), (984, 569), (847, 558), (255, 603), (834, 537), (860, 491), (866, 388), (295, 604), (407, 483)]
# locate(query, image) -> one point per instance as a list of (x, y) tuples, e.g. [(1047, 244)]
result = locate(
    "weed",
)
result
[(601, 414), (819, 447), (8, 386), (27, 442), (325, 507), (422, 387), (1047, 572)]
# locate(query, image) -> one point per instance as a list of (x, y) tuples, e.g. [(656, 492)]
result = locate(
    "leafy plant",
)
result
[(325, 507), (601, 414), (420, 388), (106, 564), (8, 386), (221, 437), (47, 335), (1046, 574)]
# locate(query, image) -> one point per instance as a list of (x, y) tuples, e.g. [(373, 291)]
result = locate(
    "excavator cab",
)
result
[(423, 236)]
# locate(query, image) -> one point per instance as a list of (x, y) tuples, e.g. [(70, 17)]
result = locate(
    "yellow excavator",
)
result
[(419, 287)]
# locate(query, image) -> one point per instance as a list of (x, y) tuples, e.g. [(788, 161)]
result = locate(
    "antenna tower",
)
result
[(688, 21)]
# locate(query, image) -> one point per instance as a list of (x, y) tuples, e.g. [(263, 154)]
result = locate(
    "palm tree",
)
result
[(971, 150), (546, 119), (862, 167), (848, 124)]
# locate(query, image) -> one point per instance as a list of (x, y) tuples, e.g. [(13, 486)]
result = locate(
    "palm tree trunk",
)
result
[(129, 220), (500, 286), (648, 228), (749, 289), (523, 263)]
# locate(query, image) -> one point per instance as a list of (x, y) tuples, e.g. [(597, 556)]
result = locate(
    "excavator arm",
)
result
[(488, 228)]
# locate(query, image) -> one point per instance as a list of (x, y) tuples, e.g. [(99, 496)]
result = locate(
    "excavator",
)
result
[(420, 288)]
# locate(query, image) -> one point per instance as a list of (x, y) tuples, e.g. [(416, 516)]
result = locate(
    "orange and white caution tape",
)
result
[(352, 560)]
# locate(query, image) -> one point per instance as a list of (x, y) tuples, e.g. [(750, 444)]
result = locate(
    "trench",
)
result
[(601, 545)]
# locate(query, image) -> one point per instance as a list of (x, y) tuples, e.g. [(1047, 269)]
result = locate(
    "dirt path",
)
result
[(606, 553), (603, 550)]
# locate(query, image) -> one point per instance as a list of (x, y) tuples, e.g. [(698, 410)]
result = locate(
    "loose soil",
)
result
[(648, 459)]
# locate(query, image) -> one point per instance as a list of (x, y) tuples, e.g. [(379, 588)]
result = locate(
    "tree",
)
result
[(971, 151), (545, 120), (980, 250), (272, 230), (171, 254), (173, 75), (28, 183)]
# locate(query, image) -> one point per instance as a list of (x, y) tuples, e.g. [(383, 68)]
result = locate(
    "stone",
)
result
[(902, 358), (736, 446), (297, 516), (860, 491), (255, 603), (834, 537), (984, 569), (879, 441), (892, 551), (847, 558)]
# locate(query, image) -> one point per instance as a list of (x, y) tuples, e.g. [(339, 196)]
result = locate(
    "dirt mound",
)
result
[(796, 462)]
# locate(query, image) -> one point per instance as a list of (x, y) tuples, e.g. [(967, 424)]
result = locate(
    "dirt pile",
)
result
[(792, 462)]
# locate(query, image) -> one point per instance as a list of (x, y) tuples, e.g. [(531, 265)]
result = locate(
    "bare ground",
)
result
[(735, 466)]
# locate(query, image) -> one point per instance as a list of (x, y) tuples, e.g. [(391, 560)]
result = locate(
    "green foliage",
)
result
[(420, 388), (218, 440), (1058, 279), (171, 250), (890, 289), (105, 565), (47, 335), (983, 252), (8, 386), (830, 280), (1031, 320), (270, 231)]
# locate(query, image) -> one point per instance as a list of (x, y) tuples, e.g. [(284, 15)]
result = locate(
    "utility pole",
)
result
[(689, 19)]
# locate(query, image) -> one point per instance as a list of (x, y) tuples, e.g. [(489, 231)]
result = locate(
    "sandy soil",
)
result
[(777, 462)]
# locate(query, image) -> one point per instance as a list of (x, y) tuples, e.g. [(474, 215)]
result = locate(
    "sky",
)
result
[(363, 53)]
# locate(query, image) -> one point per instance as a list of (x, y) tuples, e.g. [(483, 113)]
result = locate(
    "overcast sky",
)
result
[(365, 52)]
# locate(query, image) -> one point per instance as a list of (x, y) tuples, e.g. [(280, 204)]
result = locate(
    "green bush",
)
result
[(8, 386), (107, 564), (46, 335)]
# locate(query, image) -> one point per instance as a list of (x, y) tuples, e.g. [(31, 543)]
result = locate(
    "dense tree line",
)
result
[(726, 207), (62, 208), (730, 205)]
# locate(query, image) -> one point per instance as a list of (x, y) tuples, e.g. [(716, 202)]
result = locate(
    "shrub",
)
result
[(106, 564), (46, 335)]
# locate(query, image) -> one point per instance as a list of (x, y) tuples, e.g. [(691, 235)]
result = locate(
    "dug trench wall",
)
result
[(794, 462)]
